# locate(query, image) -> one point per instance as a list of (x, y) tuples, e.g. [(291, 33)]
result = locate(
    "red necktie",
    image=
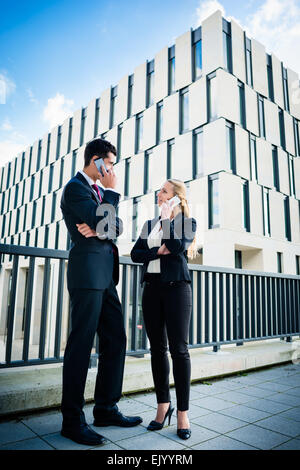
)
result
[(97, 190)]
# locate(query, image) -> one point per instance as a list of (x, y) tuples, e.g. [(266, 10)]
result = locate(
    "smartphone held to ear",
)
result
[(173, 202), (99, 162)]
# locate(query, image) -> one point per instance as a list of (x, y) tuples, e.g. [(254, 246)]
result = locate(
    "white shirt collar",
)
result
[(87, 177)]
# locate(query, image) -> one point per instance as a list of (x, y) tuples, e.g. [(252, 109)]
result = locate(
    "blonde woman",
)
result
[(163, 247)]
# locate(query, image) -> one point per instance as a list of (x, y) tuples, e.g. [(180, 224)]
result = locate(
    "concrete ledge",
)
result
[(39, 387)]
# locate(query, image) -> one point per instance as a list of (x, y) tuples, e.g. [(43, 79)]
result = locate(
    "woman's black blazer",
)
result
[(178, 235)]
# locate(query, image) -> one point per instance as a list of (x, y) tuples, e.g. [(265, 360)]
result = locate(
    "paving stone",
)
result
[(12, 431), (151, 441), (199, 434), (286, 399), (280, 424), (219, 423), (28, 444), (244, 413), (273, 386), (293, 444), (60, 442), (116, 433), (46, 423), (254, 391), (223, 443), (235, 397), (269, 406), (213, 389), (258, 437), (213, 403), (293, 391), (292, 413)]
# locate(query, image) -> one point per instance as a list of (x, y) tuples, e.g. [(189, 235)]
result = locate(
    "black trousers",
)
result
[(93, 311), (167, 312)]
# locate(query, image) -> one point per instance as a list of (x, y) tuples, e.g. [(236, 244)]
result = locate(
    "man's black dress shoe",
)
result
[(83, 434), (116, 418)]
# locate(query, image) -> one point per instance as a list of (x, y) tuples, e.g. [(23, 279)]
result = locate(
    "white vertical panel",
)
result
[(149, 129), (271, 122), (289, 133), (277, 81), (139, 89), (161, 74), (104, 110), (251, 110), (242, 152), (159, 166), (294, 93), (238, 51), (197, 103), (212, 42), (183, 60), (264, 163), (182, 161), (128, 138), (121, 102), (283, 170), (259, 68), (171, 117)]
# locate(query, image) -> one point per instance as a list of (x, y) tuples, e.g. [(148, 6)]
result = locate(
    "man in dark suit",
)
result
[(92, 276)]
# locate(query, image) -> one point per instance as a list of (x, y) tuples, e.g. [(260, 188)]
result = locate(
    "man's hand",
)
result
[(163, 250), (109, 180), (86, 231)]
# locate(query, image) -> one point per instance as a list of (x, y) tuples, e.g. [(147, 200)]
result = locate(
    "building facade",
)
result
[(214, 110)]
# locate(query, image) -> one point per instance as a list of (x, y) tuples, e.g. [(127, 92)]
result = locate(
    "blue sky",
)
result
[(57, 55)]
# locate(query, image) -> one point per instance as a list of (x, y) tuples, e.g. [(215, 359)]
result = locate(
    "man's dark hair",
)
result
[(98, 147)]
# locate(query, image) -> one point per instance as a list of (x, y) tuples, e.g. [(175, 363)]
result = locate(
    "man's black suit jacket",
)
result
[(92, 263)]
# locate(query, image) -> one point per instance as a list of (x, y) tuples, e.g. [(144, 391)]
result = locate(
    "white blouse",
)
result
[(154, 239)]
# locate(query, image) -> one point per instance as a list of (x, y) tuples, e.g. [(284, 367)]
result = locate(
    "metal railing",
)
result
[(230, 306)]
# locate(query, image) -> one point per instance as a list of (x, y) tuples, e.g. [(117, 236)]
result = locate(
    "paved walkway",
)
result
[(255, 410)]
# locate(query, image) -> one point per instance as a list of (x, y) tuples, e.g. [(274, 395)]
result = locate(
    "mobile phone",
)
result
[(99, 162), (174, 201)]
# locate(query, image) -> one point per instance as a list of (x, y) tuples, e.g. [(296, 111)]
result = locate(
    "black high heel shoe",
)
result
[(156, 426), (184, 433)]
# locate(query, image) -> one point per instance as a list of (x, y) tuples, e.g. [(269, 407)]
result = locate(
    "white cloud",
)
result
[(6, 125), (57, 110), (207, 8), (7, 87), (31, 96), (13, 144), (275, 24)]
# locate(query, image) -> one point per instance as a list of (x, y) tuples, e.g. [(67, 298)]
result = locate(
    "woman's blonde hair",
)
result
[(180, 191)]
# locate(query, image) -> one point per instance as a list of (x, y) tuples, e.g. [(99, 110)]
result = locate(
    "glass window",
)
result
[(148, 173), (50, 178), (245, 205), (97, 112), (213, 199), (139, 132), (285, 89), (82, 130), (31, 188), (297, 265), (275, 168), (33, 214), (114, 92), (282, 129), (261, 117), (150, 83), (58, 142), (136, 216), (242, 104), (184, 110), (159, 128), (270, 77), (197, 59), (212, 97), (127, 176), (171, 70), (198, 153), (38, 160), (279, 262), (296, 136), (230, 146), (170, 150), (227, 52), (70, 134), (119, 142), (287, 218), (249, 74), (291, 174), (130, 90), (266, 212)]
